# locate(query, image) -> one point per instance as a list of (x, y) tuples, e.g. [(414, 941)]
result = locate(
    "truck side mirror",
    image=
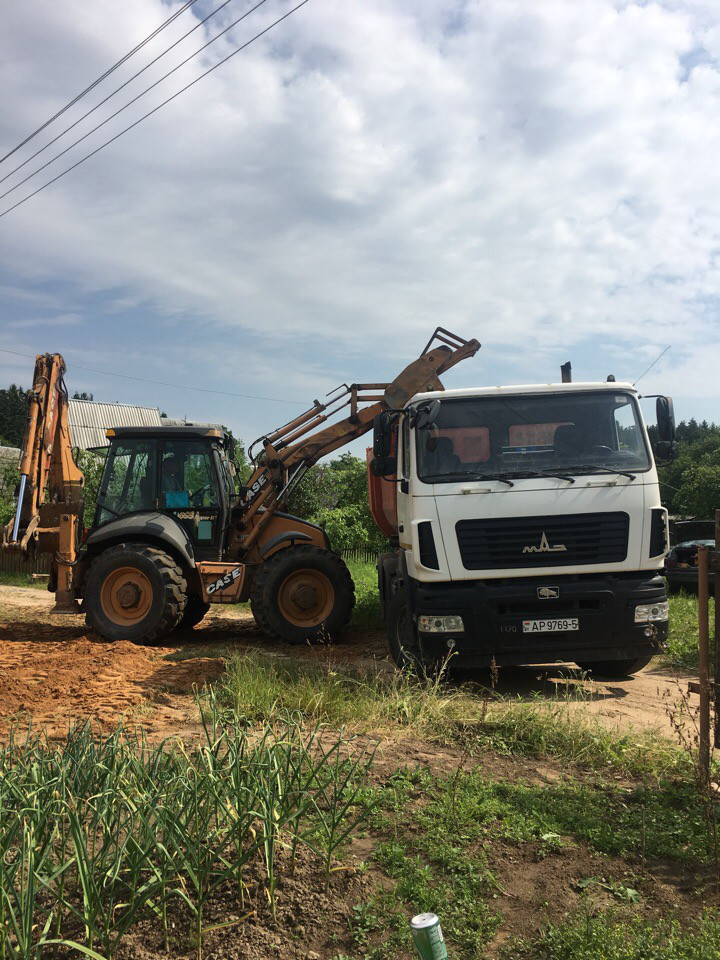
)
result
[(383, 466), (426, 414), (665, 419), (667, 449), (382, 437)]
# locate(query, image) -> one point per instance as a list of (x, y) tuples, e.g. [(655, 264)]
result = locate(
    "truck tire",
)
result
[(402, 636), (194, 612), (303, 594), (614, 669), (134, 592)]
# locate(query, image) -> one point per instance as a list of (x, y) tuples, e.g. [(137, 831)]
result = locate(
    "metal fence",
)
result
[(365, 555), (15, 563)]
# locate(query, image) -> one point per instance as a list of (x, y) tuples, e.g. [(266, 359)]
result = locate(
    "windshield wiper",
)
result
[(593, 468), (463, 475), (526, 474)]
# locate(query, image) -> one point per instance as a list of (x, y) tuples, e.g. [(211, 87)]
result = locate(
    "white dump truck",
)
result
[(527, 526)]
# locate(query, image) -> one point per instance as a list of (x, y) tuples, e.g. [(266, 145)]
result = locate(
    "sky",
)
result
[(541, 176)]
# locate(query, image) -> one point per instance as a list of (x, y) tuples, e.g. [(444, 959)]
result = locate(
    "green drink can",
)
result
[(428, 937)]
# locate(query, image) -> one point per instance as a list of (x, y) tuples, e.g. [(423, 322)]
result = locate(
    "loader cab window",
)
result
[(190, 490), (129, 480)]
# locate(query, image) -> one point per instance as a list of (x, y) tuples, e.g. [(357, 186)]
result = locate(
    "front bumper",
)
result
[(493, 612)]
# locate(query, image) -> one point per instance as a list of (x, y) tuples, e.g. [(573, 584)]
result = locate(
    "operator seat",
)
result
[(443, 458)]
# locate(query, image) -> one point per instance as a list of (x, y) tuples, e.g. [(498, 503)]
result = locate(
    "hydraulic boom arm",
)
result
[(291, 450), (51, 485)]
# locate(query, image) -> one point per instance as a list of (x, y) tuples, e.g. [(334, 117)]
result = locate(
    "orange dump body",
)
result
[(382, 493)]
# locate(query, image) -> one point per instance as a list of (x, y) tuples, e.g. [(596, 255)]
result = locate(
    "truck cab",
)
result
[(528, 525)]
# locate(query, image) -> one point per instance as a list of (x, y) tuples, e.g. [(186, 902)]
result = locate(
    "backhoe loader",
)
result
[(171, 533)]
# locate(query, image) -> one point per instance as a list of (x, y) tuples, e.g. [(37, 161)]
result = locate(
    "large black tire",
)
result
[(303, 594), (134, 592), (615, 669), (194, 612), (402, 636)]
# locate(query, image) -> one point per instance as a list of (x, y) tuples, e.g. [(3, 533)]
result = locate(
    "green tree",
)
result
[(334, 495), (9, 478), (13, 415), (690, 485)]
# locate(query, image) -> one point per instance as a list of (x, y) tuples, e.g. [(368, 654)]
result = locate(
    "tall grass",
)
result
[(98, 834), (682, 645), (259, 688)]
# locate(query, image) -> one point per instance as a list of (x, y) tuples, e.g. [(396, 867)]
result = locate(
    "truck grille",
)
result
[(519, 542)]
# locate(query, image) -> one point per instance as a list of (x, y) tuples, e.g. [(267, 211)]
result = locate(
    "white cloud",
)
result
[(534, 174)]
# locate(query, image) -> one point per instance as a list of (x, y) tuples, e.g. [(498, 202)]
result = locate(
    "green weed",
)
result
[(608, 937), (682, 645), (260, 688)]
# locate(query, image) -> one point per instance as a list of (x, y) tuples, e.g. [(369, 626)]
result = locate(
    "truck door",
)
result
[(403, 486)]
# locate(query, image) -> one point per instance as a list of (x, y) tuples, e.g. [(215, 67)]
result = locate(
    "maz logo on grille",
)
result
[(545, 546)]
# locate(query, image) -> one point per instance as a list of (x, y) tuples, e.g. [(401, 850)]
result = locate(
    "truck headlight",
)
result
[(448, 624), (650, 612)]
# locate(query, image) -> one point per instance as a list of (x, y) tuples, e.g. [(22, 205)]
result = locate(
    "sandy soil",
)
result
[(55, 671)]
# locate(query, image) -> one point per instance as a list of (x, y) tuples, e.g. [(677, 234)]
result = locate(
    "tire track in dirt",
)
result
[(54, 671)]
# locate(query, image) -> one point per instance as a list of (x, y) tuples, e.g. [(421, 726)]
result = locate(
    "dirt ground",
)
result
[(55, 671)]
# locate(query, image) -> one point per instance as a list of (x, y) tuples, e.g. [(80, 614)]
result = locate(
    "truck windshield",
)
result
[(533, 435)]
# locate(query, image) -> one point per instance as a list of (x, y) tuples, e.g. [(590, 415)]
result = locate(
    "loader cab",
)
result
[(180, 471)]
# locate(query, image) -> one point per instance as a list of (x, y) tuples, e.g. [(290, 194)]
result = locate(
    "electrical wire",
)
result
[(111, 95), (107, 73), (653, 364), (164, 383), (134, 100)]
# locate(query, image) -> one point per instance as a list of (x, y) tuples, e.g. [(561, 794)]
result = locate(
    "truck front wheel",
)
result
[(402, 636), (134, 592), (615, 669)]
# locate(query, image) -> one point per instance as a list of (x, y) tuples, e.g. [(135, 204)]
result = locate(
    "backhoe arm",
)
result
[(51, 484), (291, 450)]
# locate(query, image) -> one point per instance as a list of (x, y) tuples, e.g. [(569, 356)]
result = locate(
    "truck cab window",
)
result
[(405, 435), (534, 434)]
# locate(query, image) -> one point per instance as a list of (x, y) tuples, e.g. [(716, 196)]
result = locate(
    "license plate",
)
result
[(550, 626)]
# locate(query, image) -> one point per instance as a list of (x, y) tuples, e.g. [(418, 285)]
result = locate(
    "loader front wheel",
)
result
[(134, 592), (303, 594)]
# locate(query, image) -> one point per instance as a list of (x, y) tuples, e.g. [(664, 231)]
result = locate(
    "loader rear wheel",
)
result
[(303, 594), (134, 592)]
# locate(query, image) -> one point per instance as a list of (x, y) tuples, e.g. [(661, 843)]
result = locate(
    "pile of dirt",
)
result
[(55, 682)]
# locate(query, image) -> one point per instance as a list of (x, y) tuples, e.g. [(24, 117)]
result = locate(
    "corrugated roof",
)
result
[(89, 420), (174, 422)]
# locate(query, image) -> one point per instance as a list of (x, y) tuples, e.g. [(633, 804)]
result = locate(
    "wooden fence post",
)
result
[(704, 666)]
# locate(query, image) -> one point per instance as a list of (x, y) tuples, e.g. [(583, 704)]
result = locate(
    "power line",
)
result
[(111, 95), (164, 383), (653, 364), (107, 73), (155, 109), (128, 104)]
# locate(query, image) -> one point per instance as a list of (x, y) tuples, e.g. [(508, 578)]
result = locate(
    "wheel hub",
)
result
[(306, 598), (126, 596)]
